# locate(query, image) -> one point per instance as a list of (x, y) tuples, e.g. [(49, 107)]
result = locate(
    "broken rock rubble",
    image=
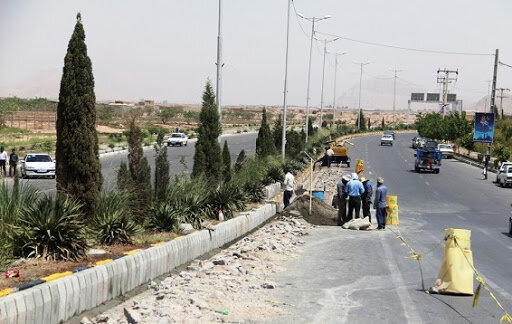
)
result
[(235, 280)]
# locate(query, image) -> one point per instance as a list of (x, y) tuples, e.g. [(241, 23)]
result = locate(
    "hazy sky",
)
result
[(166, 49)]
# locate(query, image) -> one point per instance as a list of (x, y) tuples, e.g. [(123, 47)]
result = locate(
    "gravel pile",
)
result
[(321, 213), (232, 286)]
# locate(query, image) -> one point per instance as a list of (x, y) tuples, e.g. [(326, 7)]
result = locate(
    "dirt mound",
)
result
[(321, 213)]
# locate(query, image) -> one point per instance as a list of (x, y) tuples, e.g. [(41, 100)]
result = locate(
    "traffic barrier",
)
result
[(392, 210), (360, 167), (456, 273), (463, 244)]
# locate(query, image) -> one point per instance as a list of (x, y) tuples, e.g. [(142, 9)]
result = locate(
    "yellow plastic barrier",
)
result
[(360, 166), (392, 211), (456, 273)]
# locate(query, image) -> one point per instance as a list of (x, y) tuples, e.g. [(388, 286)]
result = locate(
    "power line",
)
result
[(510, 66), (405, 48)]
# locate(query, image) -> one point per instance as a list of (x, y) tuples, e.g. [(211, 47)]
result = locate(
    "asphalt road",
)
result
[(348, 276), (110, 163)]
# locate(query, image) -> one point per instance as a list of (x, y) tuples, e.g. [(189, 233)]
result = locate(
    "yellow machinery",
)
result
[(340, 150)]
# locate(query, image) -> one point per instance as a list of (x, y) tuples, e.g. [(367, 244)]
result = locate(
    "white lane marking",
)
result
[(461, 217), (488, 234), (497, 288), (427, 183), (410, 312)]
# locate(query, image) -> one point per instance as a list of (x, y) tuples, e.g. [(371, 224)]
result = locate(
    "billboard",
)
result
[(433, 97), (484, 128)]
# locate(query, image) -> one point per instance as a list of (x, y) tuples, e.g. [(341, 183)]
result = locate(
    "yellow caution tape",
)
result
[(56, 276), (98, 263), (5, 292)]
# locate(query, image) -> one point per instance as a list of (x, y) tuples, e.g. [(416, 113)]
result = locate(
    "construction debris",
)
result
[(358, 224)]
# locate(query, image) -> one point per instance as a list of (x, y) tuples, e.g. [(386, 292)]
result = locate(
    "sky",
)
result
[(166, 49)]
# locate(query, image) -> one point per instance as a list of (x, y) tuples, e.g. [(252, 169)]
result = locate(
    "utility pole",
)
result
[(493, 106), (501, 96), (283, 144), (313, 20), (334, 90), (323, 79), (488, 96), (219, 62), (394, 96), (360, 85), (445, 80)]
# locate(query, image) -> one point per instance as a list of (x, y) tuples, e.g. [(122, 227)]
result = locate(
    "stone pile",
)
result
[(231, 286)]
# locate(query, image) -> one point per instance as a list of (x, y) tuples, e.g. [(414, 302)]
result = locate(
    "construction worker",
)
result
[(366, 198), (380, 204), (354, 190), (289, 181), (328, 155), (342, 199)]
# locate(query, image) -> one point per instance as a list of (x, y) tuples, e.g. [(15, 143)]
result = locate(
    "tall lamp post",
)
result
[(394, 95), (360, 85), (285, 92), (323, 78), (313, 20), (334, 90), (219, 61)]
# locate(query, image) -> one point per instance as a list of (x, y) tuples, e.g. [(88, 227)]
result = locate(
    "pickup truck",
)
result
[(428, 158), (177, 139)]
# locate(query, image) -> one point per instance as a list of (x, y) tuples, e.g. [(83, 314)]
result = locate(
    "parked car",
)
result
[(177, 139), (386, 139), (505, 177), (414, 142), (502, 169), (37, 165), (446, 150)]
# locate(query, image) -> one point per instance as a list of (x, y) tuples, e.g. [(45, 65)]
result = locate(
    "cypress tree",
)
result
[(124, 179), (240, 160), (369, 123), (207, 157), (78, 166), (265, 142), (382, 123), (139, 168), (277, 132), (311, 130), (362, 121), (226, 160), (161, 168)]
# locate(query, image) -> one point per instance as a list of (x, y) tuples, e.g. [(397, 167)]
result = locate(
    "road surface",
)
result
[(348, 276), (110, 163)]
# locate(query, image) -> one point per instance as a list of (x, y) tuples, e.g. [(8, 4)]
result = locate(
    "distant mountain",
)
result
[(483, 104)]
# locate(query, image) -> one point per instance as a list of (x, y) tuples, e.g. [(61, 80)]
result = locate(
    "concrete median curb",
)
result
[(68, 296)]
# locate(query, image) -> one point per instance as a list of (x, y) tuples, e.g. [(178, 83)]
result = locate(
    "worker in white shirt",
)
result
[(289, 181), (329, 153), (3, 161)]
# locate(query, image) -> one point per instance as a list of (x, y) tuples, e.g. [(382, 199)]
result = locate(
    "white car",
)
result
[(502, 169), (37, 165), (177, 139), (386, 139), (505, 177), (446, 150)]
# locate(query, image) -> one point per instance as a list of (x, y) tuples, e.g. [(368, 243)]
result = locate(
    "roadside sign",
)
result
[(484, 128)]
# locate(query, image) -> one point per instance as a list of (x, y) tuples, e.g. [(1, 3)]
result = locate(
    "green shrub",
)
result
[(51, 230), (113, 222), (228, 197), (164, 217), (254, 190)]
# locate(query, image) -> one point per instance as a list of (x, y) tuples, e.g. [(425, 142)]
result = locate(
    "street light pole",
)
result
[(394, 96), (219, 62), (360, 86), (334, 90), (313, 20), (283, 144), (323, 78)]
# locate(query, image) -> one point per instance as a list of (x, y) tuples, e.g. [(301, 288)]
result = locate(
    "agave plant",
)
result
[(228, 197), (52, 230), (164, 217), (254, 190), (113, 222)]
